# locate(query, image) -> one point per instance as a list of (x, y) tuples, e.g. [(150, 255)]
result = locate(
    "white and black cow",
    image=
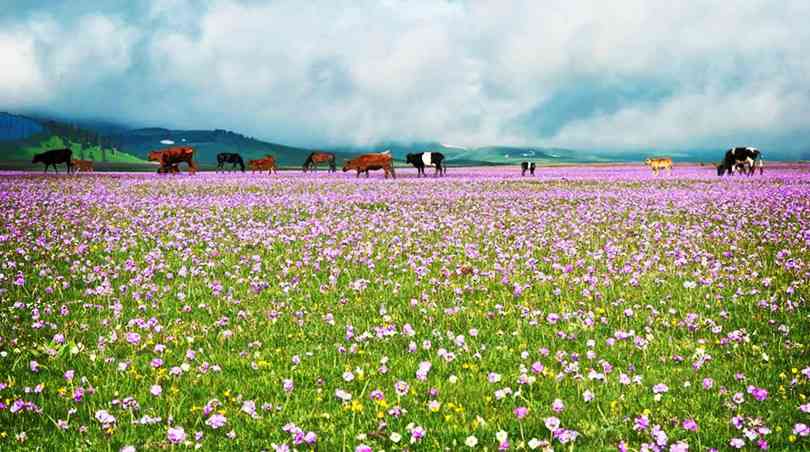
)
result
[(743, 159), (527, 166), (422, 159)]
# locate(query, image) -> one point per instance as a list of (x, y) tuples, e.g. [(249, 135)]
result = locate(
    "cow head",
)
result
[(721, 169), (648, 162), (412, 159), (155, 156), (37, 158)]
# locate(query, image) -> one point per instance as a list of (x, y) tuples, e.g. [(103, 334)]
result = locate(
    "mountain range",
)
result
[(101, 141)]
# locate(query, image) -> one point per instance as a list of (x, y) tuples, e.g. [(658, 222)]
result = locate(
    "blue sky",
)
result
[(624, 75)]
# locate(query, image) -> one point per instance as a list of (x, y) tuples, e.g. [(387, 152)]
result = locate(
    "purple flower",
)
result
[(736, 443), (801, 429), (133, 338), (216, 421), (363, 448), (105, 417), (521, 412), (156, 390), (176, 435), (690, 424)]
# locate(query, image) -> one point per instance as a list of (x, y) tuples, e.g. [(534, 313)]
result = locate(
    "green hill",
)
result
[(21, 137)]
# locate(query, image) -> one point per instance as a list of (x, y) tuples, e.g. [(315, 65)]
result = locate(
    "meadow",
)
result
[(595, 308)]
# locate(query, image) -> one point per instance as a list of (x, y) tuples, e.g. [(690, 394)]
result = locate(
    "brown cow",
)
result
[(313, 159), (267, 163), (85, 166), (368, 162), (169, 157)]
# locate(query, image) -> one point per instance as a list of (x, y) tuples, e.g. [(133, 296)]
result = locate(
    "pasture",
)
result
[(587, 308)]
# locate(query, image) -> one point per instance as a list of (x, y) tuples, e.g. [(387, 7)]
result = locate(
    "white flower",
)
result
[(395, 437), (501, 436), (471, 441)]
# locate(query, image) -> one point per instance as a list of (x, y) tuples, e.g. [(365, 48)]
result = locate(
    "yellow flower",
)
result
[(357, 406), (792, 438)]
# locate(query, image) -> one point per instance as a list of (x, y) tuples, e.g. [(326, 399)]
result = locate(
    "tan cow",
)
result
[(659, 163), (85, 166)]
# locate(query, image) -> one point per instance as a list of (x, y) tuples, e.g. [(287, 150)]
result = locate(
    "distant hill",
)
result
[(207, 144), (21, 137)]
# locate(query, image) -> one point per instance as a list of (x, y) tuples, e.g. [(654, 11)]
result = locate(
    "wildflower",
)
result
[(736, 443), (471, 441), (105, 417), (801, 430), (588, 395), (520, 412), (558, 406), (216, 421), (401, 388), (155, 390), (552, 423), (176, 435), (343, 395), (690, 424)]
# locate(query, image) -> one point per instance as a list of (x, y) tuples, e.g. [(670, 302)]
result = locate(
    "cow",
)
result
[(267, 163), (657, 164), (370, 162), (744, 159), (313, 159), (173, 156), (232, 158), (423, 159), (85, 166), (54, 157), (527, 166)]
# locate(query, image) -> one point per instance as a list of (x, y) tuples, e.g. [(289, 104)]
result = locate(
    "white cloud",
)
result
[(463, 72)]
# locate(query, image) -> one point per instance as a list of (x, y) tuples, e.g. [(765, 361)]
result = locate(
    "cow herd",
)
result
[(743, 160)]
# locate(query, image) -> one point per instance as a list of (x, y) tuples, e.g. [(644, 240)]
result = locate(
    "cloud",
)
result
[(623, 75)]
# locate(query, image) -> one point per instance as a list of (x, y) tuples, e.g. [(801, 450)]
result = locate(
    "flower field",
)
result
[(593, 308)]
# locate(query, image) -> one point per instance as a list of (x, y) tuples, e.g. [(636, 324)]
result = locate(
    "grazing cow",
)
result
[(657, 164), (173, 156), (527, 166), (53, 157), (267, 163), (85, 166), (423, 159), (744, 159), (370, 162), (232, 158), (313, 159)]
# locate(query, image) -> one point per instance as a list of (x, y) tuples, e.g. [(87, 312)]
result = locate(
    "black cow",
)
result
[(744, 160), (423, 159), (53, 157), (527, 166), (232, 158)]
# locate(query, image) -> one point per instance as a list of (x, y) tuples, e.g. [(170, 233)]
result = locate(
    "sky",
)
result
[(612, 76)]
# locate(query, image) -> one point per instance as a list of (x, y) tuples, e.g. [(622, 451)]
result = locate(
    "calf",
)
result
[(527, 166), (267, 163), (85, 166), (54, 157)]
